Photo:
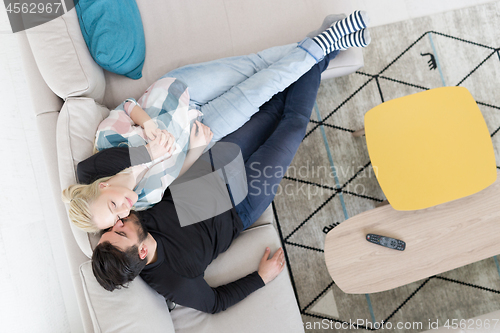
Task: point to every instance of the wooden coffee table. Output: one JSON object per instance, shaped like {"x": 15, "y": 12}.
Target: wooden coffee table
{"x": 438, "y": 239}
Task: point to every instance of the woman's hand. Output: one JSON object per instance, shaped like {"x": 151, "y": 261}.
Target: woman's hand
{"x": 151, "y": 129}
{"x": 201, "y": 135}
{"x": 162, "y": 144}
{"x": 270, "y": 268}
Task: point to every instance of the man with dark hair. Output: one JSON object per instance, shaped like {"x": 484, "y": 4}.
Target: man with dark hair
{"x": 119, "y": 267}
{"x": 176, "y": 257}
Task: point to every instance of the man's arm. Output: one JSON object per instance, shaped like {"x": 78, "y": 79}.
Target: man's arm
{"x": 222, "y": 297}
{"x": 109, "y": 162}
{"x": 200, "y": 137}
{"x": 197, "y": 294}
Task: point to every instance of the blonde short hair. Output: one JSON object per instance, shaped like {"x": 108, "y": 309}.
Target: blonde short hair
{"x": 79, "y": 197}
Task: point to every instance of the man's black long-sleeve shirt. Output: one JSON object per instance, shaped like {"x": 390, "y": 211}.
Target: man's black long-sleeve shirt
{"x": 183, "y": 252}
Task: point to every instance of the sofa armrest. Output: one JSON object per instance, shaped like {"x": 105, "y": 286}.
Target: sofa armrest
{"x": 346, "y": 62}
{"x": 46, "y": 123}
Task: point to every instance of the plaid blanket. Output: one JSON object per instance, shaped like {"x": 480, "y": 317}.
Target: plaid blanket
{"x": 167, "y": 102}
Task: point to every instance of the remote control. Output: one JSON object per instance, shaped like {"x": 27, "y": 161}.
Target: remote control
{"x": 389, "y": 242}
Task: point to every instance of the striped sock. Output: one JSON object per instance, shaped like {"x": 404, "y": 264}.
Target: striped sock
{"x": 356, "y": 21}
{"x": 360, "y": 38}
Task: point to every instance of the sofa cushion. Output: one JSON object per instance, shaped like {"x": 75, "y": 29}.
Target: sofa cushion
{"x": 272, "y": 308}
{"x": 137, "y": 308}
{"x": 114, "y": 35}
{"x": 64, "y": 60}
{"x": 76, "y": 128}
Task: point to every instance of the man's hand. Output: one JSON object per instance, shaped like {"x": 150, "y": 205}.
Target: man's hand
{"x": 162, "y": 145}
{"x": 201, "y": 135}
{"x": 270, "y": 268}
{"x": 151, "y": 129}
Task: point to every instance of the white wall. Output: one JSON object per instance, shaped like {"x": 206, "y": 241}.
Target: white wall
{"x": 36, "y": 293}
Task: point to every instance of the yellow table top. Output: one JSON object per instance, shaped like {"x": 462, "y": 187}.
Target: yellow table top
{"x": 429, "y": 148}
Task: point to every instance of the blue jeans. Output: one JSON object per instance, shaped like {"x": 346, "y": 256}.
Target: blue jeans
{"x": 271, "y": 138}
{"x": 229, "y": 91}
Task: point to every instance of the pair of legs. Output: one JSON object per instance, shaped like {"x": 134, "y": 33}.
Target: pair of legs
{"x": 270, "y": 139}
{"x": 229, "y": 91}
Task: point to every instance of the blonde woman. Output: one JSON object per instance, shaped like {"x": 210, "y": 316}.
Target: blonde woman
{"x": 105, "y": 200}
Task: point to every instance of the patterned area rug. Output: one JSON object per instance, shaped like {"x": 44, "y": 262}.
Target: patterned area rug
{"x": 455, "y": 48}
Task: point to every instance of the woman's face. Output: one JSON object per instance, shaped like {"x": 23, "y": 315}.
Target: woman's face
{"x": 112, "y": 204}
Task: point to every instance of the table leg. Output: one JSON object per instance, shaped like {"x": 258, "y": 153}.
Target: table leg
{"x": 358, "y": 133}
{"x": 383, "y": 203}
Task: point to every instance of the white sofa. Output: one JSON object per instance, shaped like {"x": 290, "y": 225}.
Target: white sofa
{"x": 71, "y": 94}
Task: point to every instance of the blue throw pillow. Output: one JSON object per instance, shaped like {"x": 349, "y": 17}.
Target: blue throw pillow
{"x": 114, "y": 35}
